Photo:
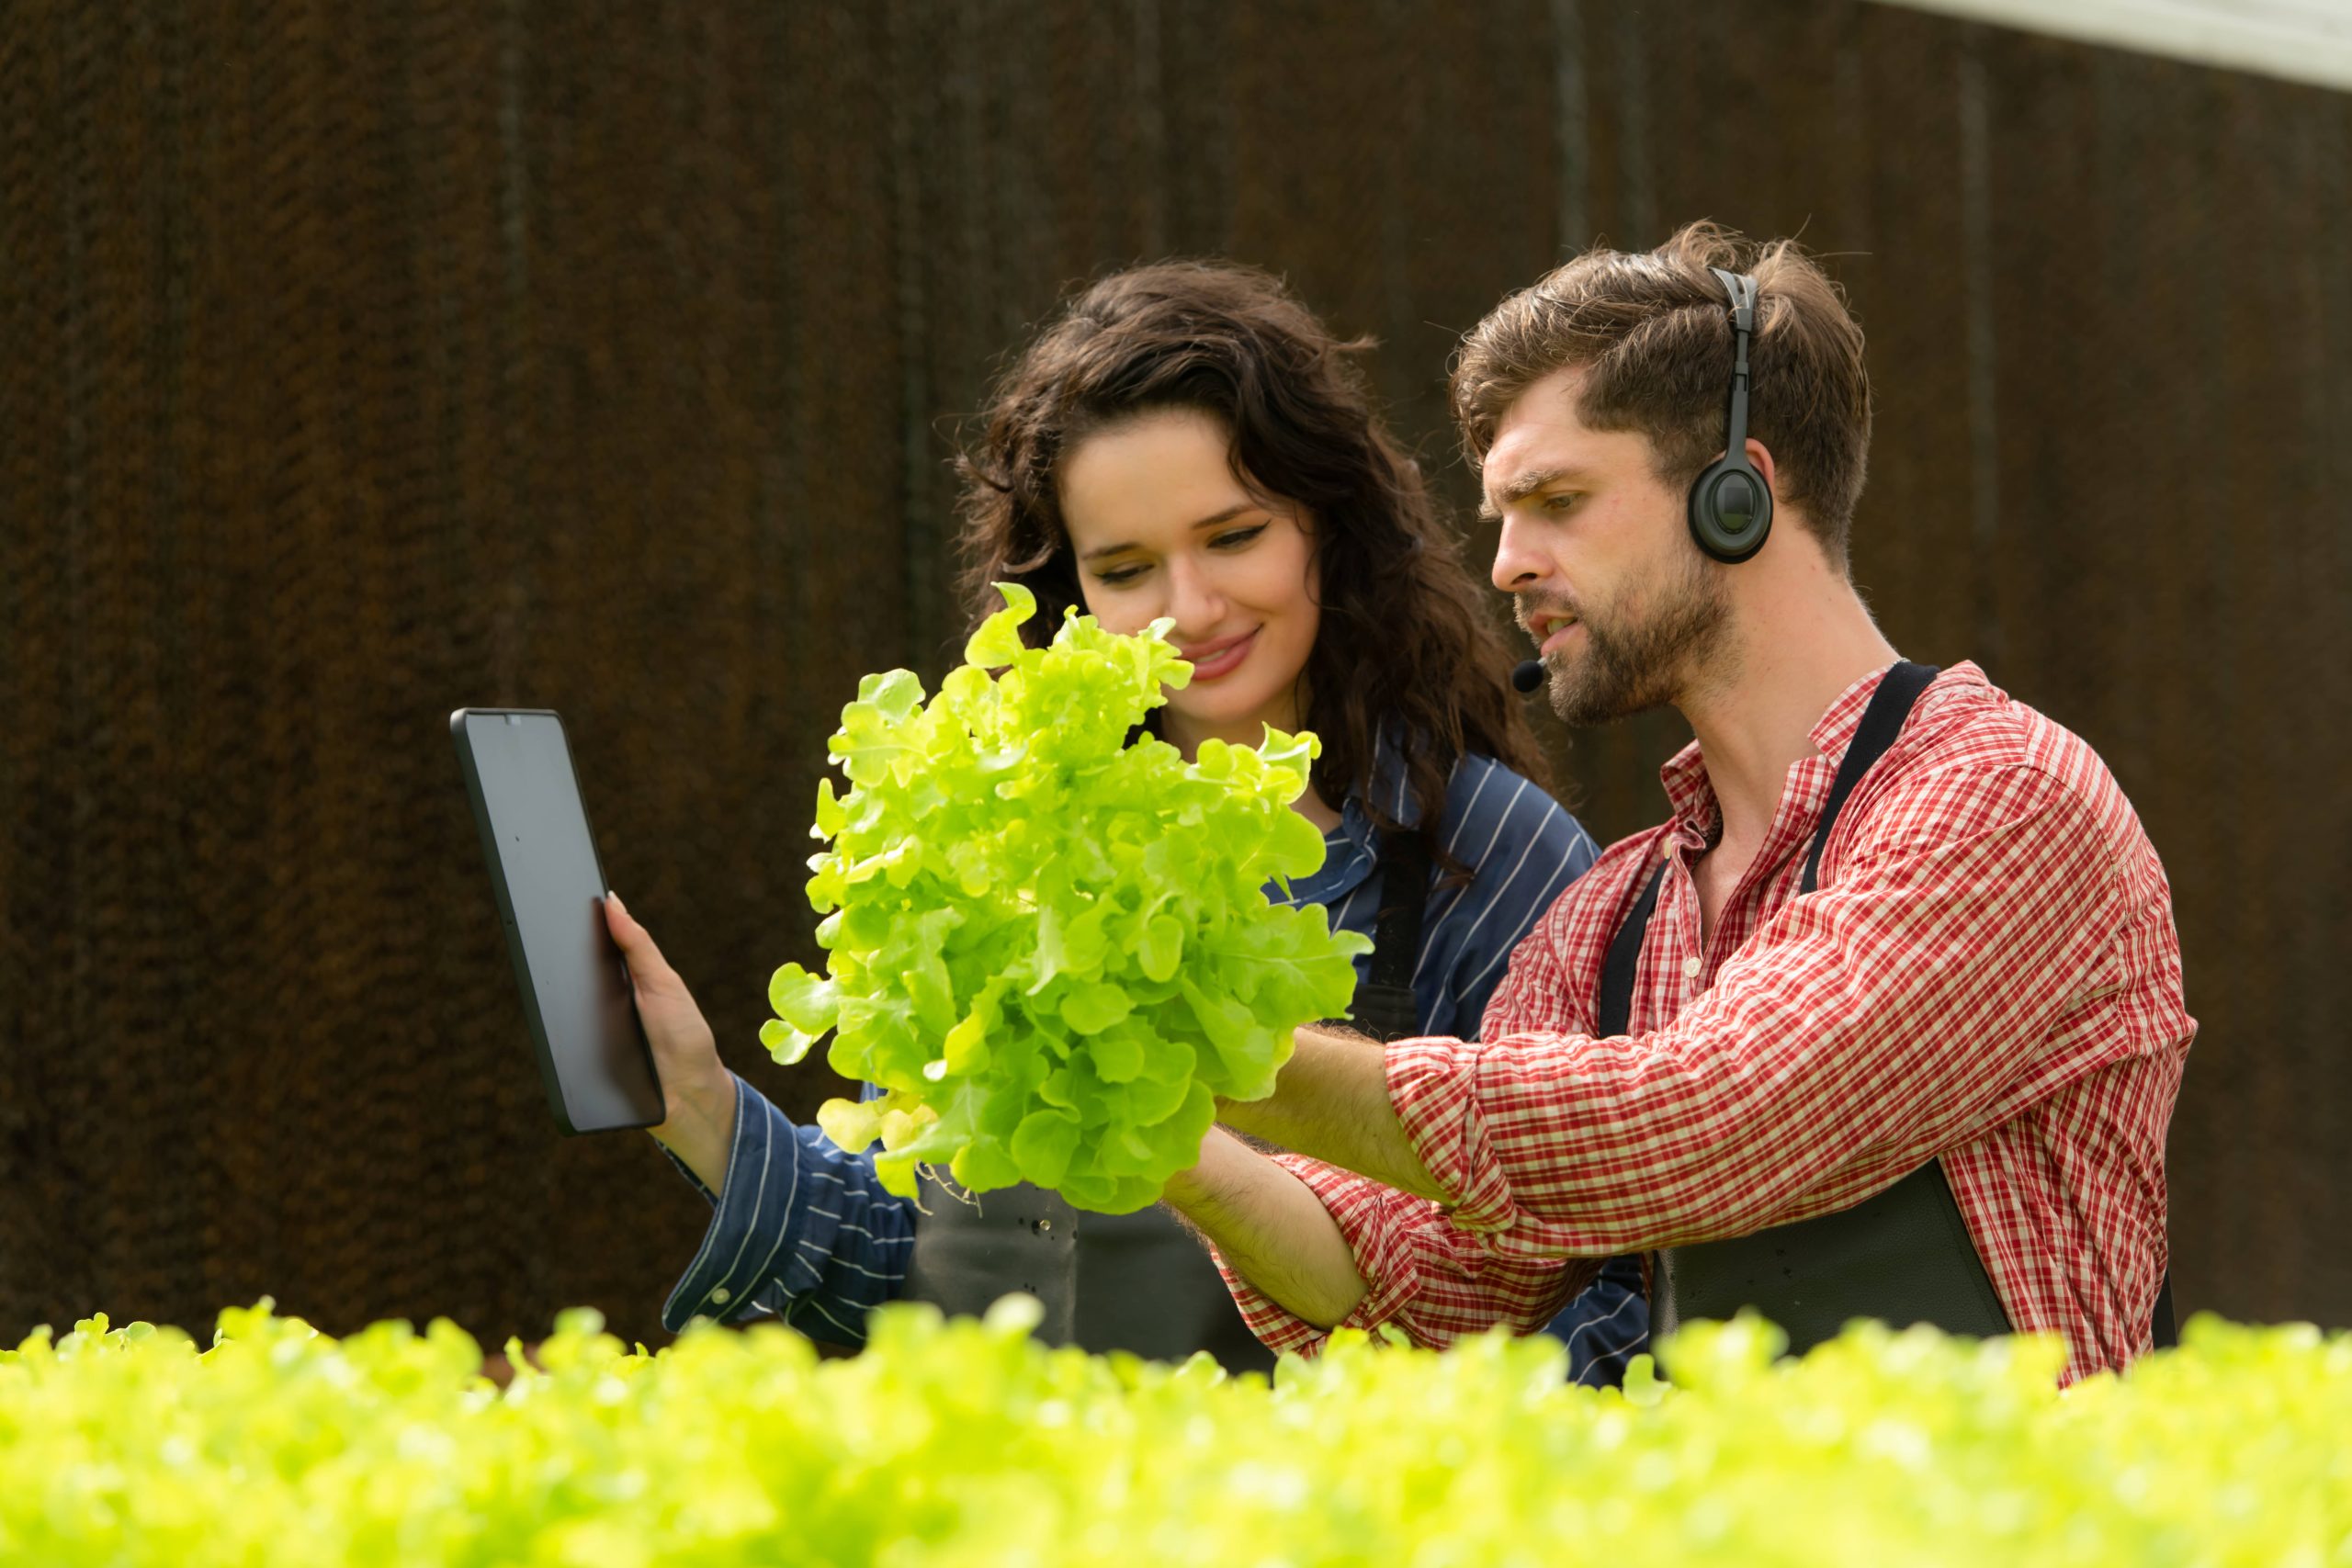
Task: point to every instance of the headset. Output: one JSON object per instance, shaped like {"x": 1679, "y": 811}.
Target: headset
{"x": 1731, "y": 507}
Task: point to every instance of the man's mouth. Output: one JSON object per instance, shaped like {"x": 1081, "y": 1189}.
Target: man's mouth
{"x": 1551, "y": 629}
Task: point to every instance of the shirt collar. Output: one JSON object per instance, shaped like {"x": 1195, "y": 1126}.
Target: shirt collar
{"x": 1691, "y": 795}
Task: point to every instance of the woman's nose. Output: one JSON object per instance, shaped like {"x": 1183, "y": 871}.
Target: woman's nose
{"x": 1193, "y": 600}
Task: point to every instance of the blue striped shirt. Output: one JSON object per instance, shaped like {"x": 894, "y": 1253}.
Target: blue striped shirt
{"x": 804, "y": 1231}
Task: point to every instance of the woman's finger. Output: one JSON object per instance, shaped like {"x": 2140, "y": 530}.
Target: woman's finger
{"x": 637, "y": 944}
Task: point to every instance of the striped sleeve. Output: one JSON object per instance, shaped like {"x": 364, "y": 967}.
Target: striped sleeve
{"x": 801, "y": 1230}
{"x": 1607, "y": 1325}
{"x": 1522, "y": 851}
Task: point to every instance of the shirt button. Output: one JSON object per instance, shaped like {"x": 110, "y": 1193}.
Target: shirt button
{"x": 721, "y": 1296}
{"x": 1690, "y": 968}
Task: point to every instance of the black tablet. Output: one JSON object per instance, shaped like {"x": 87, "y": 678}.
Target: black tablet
{"x": 576, "y": 994}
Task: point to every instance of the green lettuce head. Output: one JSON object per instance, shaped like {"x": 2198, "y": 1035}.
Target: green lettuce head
{"x": 1049, "y": 948}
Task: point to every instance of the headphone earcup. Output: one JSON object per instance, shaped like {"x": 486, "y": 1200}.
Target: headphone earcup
{"x": 1731, "y": 509}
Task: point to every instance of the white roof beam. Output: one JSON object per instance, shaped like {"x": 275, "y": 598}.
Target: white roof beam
{"x": 2300, "y": 40}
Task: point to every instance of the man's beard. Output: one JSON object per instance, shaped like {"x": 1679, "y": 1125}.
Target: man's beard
{"x": 1634, "y": 662}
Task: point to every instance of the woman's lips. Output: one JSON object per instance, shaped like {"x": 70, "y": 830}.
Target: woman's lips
{"x": 1215, "y": 659}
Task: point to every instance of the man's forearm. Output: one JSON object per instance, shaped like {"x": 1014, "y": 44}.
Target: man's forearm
{"x": 1331, "y": 1103}
{"x": 1270, "y": 1228}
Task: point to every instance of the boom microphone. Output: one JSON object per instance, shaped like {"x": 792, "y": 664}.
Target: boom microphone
{"x": 1527, "y": 675}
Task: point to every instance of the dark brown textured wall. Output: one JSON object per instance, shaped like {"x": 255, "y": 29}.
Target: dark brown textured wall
{"x": 358, "y": 362}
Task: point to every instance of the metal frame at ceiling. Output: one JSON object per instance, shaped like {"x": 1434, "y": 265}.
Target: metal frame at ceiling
{"x": 2297, "y": 40}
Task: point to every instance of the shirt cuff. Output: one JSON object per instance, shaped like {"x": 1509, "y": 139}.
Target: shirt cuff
{"x": 696, "y": 1182}
{"x": 1384, "y": 1258}
{"x": 751, "y": 1227}
{"x": 1432, "y": 1087}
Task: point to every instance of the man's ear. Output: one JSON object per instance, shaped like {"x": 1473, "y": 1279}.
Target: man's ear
{"x": 1761, "y": 456}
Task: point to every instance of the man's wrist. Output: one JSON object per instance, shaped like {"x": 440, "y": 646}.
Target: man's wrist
{"x": 1331, "y": 1103}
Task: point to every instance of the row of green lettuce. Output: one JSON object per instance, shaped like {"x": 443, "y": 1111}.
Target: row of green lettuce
{"x": 966, "y": 1443}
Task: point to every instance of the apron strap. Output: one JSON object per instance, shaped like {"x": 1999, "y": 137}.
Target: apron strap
{"x": 1383, "y": 1003}
{"x": 1882, "y": 722}
{"x": 1716, "y": 1277}
{"x": 1613, "y": 1009}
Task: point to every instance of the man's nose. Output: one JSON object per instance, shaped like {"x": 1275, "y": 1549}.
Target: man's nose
{"x": 1519, "y": 564}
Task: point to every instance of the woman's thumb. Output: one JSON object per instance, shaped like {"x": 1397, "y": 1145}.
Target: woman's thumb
{"x": 634, "y": 940}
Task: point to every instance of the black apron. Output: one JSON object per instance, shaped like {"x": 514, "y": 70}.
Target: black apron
{"x": 1902, "y": 1256}
{"x": 1141, "y": 1282}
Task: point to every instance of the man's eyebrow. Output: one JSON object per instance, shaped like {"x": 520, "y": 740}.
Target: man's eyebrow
{"x": 1522, "y": 487}
{"x": 1211, "y": 521}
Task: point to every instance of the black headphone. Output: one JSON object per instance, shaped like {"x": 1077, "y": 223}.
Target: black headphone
{"x": 1731, "y": 507}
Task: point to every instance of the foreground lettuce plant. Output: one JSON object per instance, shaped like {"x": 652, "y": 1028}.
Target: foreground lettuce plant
{"x": 968, "y": 1443}
{"x": 1051, "y": 949}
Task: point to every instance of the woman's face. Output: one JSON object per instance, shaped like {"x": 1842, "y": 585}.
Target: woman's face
{"x": 1161, "y": 526}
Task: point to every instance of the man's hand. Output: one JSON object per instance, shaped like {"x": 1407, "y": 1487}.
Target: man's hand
{"x": 697, "y": 1092}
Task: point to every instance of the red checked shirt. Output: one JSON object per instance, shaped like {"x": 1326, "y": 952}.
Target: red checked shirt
{"x": 1989, "y": 971}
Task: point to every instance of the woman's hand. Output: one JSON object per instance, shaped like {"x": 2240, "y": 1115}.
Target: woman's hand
{"x": 697, "y": 1092}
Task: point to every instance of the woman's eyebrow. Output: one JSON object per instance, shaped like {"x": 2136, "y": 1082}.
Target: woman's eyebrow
{"x": 1228, "y": 516}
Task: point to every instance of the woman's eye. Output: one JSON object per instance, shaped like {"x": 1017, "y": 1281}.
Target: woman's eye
{"x": 1118, "y": 576}
{"x": 1237, "y": 538}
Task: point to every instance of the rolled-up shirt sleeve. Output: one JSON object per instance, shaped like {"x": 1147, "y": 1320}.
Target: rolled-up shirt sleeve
{"x": 1421, "y": 1279}
{"x": 1916, "y": 1003}
{"x": 1864, "y": 1028}
{"x": 800, "y": 1229}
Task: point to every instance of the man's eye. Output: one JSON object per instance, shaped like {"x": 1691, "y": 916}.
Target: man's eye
{"x": 1237, "y": 538}
{"x": 1557, "y": 504}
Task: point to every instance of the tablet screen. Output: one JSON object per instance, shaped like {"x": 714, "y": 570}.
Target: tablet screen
{"x": 575, "y": 987}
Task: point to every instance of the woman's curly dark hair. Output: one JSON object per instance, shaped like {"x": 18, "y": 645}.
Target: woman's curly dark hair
{"x": 1403, "y": 639}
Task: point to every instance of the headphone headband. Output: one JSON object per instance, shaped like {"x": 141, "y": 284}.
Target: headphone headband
{"x": 1741, "y": 287}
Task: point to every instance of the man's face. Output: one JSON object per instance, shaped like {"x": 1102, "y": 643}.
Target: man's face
{"x": 1595, "y": 550}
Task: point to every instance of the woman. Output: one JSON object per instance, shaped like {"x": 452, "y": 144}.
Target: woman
{"x": 1185, "y": 441}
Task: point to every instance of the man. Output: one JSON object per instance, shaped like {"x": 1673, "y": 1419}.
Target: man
{"x": 1969, "y": 991}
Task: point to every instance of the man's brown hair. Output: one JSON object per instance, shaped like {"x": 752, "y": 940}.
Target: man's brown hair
{"x": 1653, "y": 330}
